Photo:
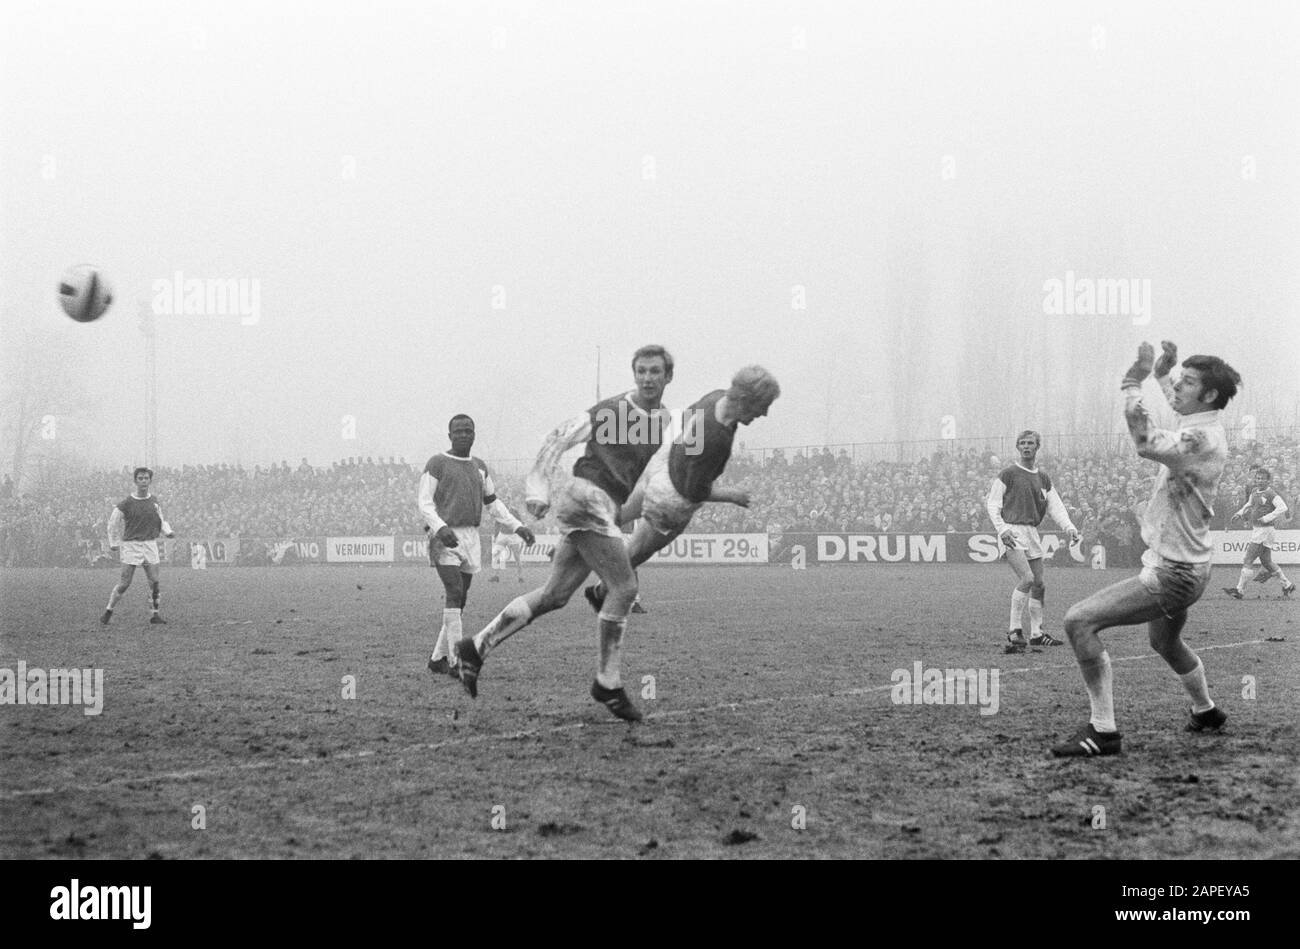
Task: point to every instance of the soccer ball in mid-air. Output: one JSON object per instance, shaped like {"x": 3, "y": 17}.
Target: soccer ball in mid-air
{"x": 84, "y": 293}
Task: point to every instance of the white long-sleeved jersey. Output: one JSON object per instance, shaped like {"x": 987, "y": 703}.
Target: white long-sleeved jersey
{"x": 1176, "y": 522}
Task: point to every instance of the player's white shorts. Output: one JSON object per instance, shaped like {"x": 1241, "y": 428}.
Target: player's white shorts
{"x": 137, "y": 552}
{"x": 1175, "y": 585}
{"x": 1027, "y": 540}
{"x": 505, "y": 544}
{"x": 586, "y": 507}
{"x": 1265, "y": 536}
{"x": 663, "y": 508}
{"x": 466, "y": 554}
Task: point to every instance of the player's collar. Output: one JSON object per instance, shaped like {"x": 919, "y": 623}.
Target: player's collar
{"x": 458, "y": 457}
{"x": 637, "y": 408}
{"x": 1023, "y": 468}
{"x": 138, "y": 498}
{"x": 1198, "y": 418}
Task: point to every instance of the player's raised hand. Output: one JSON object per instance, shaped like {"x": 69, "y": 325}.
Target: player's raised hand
{"x": 1141, "y": 367}
{"x": 1168, "y": 359}
{"x": 447, "y": 537}
{"x": 529, "y": 537}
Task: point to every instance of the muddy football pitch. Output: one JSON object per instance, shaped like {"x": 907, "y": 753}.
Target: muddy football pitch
{"x": 287, "y": 712}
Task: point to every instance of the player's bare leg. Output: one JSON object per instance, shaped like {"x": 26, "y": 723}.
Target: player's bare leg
{"x": 1121, "y": 604}
{"x": 1165, "y": 636}
{"x": 123, "y": 584}
{"x": 568, "y": 570}
{"x": 1020, "y": 566}
{"x": 608, "y": 558}
{"x": 645, "y": 543}
{"x": 151, "y": 573}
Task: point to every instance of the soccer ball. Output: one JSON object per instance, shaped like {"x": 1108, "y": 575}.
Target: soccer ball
{"x": 84, "y": 293}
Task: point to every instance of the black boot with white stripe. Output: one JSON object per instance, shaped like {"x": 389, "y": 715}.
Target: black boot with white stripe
{"x": 1087, "y": 743}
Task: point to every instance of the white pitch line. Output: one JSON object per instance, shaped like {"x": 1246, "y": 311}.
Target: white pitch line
{"x": 467, "y": 740}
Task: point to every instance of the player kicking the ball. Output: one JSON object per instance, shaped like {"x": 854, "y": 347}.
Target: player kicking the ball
{"x": 1263, "y": 508}
{"x": 680, "y": 477}
{"x": 454, "y": 489}
{"x": 1019, "y": 497}
{"x": 1176, "y": 529}
{"x": 622, "y": 434}
{"x": 134, "y": 526}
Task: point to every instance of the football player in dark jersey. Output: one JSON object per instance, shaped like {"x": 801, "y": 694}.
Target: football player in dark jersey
{"x": 134, "y": 527}
{"x": 622, "y": 434}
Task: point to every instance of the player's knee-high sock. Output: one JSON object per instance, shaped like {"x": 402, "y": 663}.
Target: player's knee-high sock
{"x": 517, "y": 614}
{"x": 155, "y": 597}
{"x": 448, "y": 636}
{"x": 1097, "y": 679}
{"x": 1194, "y": 683}
{"x": 1035, "y": 617}
{"x": 114, "y": 597}
{"x": 1246, "y": 574}
{"x": 611, "y": 651}
{"x": 1018, "y": 598}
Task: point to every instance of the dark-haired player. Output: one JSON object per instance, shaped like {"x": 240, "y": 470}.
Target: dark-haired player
{"x": 134, "y": 526}
{"x": 681, "y": 476}
{"x": 1019, "y": 497}
{"x": 454, "y": 489}
{"x": 1262, "y": 510}
{"x": 622, "y": 434}
{"x": 1176, "y": 529}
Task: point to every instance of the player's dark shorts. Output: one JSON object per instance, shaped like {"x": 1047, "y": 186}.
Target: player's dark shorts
{"x": 1175, "y": 585}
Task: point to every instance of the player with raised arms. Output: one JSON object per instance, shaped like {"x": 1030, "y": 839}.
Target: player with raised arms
{"x": 1018, "y": 499}
{"x": 454, "y": 488}
{"x": 1176, "y": 530}
{"x": 1264, "y": 507}
{"x": 134, "y": 526}
{"x": 622, "y": 434}
{"x": 681, "y": 476}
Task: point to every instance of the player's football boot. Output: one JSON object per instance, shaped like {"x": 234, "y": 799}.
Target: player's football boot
{"x": 1046, "y": 639}
{"x": 616, "y": 701}
{"x": 595, "y": 597}
{"x": 157, "y": 620}
{"x": 638, "y": 608}
{"x": 440, "y": 667}
{"x": 105, "y": 617}
{"x": 1288, "y": 589}
{"x": 1016, "y": 642}
{"x": 1234, "y": 593}
{"x": 1210, "y": 721}
{"x": 1088, "y": 743}
{"x": 470, "y": 664}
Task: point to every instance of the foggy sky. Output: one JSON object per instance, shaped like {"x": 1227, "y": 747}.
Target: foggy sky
{"x": 623, "y": 173}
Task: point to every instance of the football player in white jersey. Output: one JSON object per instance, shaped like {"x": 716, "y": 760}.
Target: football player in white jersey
{"x": 1176, "y": 529}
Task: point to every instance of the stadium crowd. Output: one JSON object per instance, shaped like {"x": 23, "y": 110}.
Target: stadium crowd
{"x": 55, "y": 521}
